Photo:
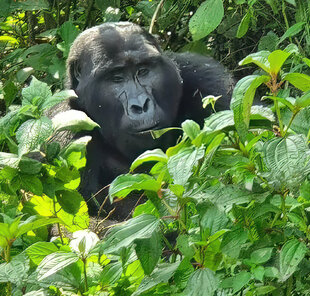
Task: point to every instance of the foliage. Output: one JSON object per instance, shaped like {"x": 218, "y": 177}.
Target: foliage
{"x": 227, "y": 210}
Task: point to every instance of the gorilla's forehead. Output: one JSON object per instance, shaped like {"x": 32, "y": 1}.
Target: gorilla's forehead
{"x": 123, "y": 47}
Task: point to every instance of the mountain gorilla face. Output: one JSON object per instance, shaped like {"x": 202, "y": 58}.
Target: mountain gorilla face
{"x": 127, "y": 86}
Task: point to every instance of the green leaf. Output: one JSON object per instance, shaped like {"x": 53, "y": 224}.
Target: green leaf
{"x": 23, "y": 74}
{"x": 124, "y": 184}
{"x": 233, "y": 241}
{"x": 38, "y": 251}
{"x": 291, "y": 254}
{"x": 32, "y": 133}
{"x": 240, "y": 280}
{"x": 68, "y": 32}
{"x": 184, "y": 246}
{"x": 31, "y": 184}
{"x": 304, "y": 100}
{"x": 54, "y": 263}
{"x": 9, "y": 159}
{"x": 141, "y": 227}
{"x": 191, "y": 129}
{"x": 111, "y": 273}
{"x": 301, "y": 81}
{"x": 15, "y": 271}
{"x": 206, "y": 18}
{"x": 277, "y": 59}
{"x": 258, "y": 272}
{"x": 149, "y": 155}
{"x": 29, "y": 224}
{"x": 261, "y": 256}
{"x": 202, "y": 282}
{"x": 287, "y": 161}
{"x": 36, "y": 89}
{"x": 29, "y": 166}
{"x": 161, "y": 274}
{"x": 58, "y": 98}
{"x": 149, "y": 251}
{"x": 73, "y": 120}
{"x": 306, "y": 61}
{"x": 293, "y": 30}
{"x": 259, "y": 58}
{"x": 244, "y": 25}
{"x": 264, "y": 290}
{"x": 281, "y": 100}
{"x": 242, "y": 100}
{"x": 180, "y": 165}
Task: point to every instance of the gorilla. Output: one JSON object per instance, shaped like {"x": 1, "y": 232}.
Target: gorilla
{"x": 128, "y": 86}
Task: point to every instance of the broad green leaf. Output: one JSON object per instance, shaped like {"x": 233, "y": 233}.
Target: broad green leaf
{"x": 281, "y": 100}
{"x": 38, "y": 251}
{"x": 141, "y": 227}
{"x": 23, "y": 74}
{"x": 32, "y": 184}
{"x": 8, "y": 39}
{"x": 268, "y": 42}
{"x": 261, "y": 256}
{"x": 242, "y": 100}
{"x": 206, "y": 18}
{"x": 307, "y": 61}
{"x": 287, "y": 161}
{"x": 240, "y": 280}
{"x": 244, "y": 25}
{"x": 58, "y": 98}
{"x": 301, "y": 81}
{"x": 54, "y": 263}
{"x": 73, "y": 120}
{"x": 26, "y": 226}
{"x": 29, "y": 166}
{"x": 301, "y": 122}
{"x": 191, "y": 128}
{"x": 149, "y": 251}
{"x": 291, "y": 254}
{"x": 124, "y": 184}
{"x": 36, "y": 89}
{"x": 277, "y": 59}
{"x": 111, "y": 273}
{"x": 212, "y": 219}
{"x": 233, "y": 241}
{"x": 9, "y": 159}
{"x": 259, "y": 58}
{"x": 180, "y": 165}
{"x": 161, "y": 274}
{"x": 304, "y": 100}
{"x": 149, "y": 155}
{"x": 202, "y": 282}
{"x": 292, "y": 31}
{"x": 32, "y": 133}
{"x": 264, "y": 290}
{"x": 259, "y": 112}
{"x": 68, "y": 32}
{"x": 16, "y": 271}
{"x": 184, "y": 246}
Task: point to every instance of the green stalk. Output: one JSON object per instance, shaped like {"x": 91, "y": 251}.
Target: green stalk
{"x": 276, "y": 105}
{"x": 85, "y": 273}
{"x": 290, "y": 123}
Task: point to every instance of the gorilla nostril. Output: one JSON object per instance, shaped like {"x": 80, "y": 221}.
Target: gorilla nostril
{"x": 135, "y": 109}
{"x": 146, "y": 105}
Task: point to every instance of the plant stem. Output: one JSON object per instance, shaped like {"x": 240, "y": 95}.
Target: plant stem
{"x": 60, "y": 233}
{"x": 155, "y": 16}
{"x": 276, "y": 104}
{"x": 85, "y": 274}
{"x": 289, "y": 286}
{"x": 290, "y": 123}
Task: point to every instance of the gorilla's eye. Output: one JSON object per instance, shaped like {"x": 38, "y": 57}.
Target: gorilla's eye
{"x": 143, "y": 72}
{"x": 117, "y": 78}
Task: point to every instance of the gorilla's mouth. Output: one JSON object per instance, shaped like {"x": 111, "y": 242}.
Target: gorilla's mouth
{"x": 147, "y": 130}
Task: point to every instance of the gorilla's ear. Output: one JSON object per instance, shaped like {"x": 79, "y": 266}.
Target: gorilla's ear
{"x": 74, "y": 74}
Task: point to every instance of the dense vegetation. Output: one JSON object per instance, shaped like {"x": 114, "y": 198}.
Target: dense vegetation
{"x": 227, "y": 209}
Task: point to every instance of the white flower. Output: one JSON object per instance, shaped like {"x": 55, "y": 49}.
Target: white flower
{"x": 83, "y": 241}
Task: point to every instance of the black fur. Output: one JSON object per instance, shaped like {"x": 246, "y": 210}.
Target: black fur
{"x": 127, "y": 85}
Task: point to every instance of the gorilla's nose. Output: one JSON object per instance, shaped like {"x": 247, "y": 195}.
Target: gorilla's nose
{"x": 140, "y": 107}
